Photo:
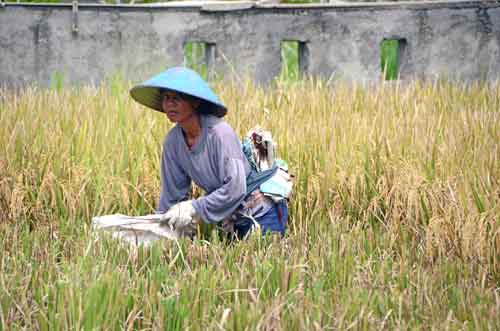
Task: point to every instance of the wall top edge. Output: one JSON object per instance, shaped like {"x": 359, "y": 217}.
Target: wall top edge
{"x": 218, "y": 6}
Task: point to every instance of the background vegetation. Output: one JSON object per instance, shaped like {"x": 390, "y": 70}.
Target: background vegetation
{"x": 393, "y": 224}
{"x": 389, "y": 58}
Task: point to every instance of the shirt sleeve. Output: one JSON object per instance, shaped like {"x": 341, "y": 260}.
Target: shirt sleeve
{"x": 222, "y": 202}
{"x": 175, "y": 183}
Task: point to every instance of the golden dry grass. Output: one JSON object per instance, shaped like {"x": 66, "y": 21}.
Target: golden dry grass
{"x": 394, "y": 219}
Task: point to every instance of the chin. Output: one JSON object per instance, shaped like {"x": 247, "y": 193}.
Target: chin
{"x": 172, "y": 119}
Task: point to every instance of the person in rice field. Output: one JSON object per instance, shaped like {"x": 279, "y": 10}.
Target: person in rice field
{"x": 204, "y": 149}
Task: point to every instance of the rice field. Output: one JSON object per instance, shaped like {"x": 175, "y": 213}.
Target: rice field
{"x": 394, "y": 221}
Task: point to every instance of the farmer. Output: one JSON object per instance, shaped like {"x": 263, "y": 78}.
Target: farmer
{"x": 203, "y": 148}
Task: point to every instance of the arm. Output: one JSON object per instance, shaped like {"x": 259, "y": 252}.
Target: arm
{"x": 175, "y": 184}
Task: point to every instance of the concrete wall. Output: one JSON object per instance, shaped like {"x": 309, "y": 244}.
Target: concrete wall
{"x": 456, "y": 39}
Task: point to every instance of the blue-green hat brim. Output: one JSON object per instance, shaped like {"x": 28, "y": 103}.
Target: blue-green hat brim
{"x": 149, "y": 96}
{"x": 181, "y": 80}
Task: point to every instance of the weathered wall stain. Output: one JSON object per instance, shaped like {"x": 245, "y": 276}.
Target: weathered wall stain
{"x": 459, "y": 40}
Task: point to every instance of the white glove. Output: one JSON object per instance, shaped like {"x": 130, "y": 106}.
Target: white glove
{"x": 180, "y": 215}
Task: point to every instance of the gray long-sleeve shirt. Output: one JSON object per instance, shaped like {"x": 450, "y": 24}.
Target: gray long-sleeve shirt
{"x": 215, "y": 163}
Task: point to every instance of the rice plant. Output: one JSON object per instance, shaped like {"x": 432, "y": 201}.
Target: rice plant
{"x": 394, "y": 222}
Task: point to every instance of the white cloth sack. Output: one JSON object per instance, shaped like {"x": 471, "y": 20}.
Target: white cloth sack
{"x": 138, "y": 230}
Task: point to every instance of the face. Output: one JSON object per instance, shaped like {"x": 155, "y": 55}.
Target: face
{"x": 176, "y": 108}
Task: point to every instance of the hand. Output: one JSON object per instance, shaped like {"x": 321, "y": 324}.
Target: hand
{"x": 180, "y": 215}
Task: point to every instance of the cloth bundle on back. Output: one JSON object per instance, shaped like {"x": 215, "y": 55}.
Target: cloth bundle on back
{"x": 260, "y": 149}
{"x": 204, "y": 149}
